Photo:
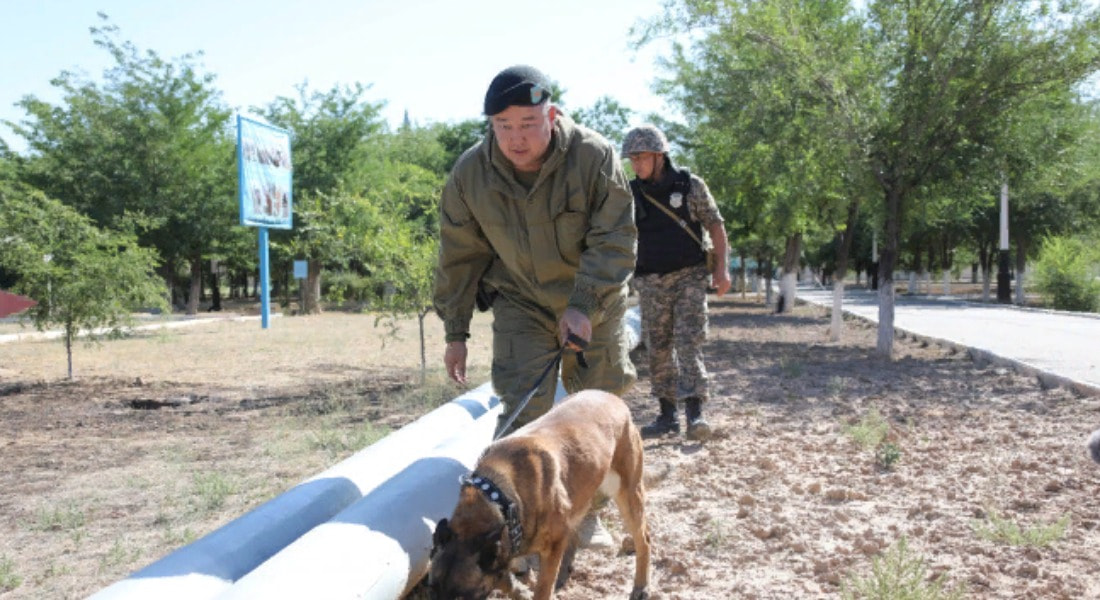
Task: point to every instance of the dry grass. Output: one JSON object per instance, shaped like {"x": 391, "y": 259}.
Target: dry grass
{"x": 94, "y": 487}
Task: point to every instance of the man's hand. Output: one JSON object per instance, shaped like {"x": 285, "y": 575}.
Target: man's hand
{"x": 720, "y": 279}
{"x": 577, "y": 323}
{"x": 454, "y": 359}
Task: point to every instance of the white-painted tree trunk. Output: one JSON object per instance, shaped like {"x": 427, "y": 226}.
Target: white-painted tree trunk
{"x": 788, "y": 285}
{"x": 1020, "y": 299}
{"x": 885, "y": 341}
{"x": 985, "y": 285}
{"x": 946, "y": 282}
{"x": 836, "y": 326}
{"x": 913, "y": 282}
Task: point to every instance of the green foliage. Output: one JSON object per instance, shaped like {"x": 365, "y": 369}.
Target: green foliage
{"x": 84, "y": 279}
{"x": 348, "y": 286}
{"x": 147, "y": 144}
{"x": 211, "y": 490}
{"x": 1066, "y": 274}
{"x": 69, "y": 518}
{"x": 996, "y": 528}
{"x": 9, "y": 579}
{"x": 899, "y": 574}
{"x": 887, "y": 455}
{"x": 606, "y": 116}
{"x": 870, "y": 431}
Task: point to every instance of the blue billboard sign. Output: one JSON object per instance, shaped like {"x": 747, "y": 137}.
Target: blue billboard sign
{"x": 264, "y": 174}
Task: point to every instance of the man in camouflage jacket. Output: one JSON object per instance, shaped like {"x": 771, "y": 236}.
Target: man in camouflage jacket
{"x": 537, "y": 222}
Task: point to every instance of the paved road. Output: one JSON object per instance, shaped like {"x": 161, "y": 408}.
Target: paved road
{"x": 1060, "y": 348}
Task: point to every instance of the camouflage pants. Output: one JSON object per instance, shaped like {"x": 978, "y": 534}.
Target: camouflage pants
{"x": 674, "y": 328}
{"x": 525, "y": 339}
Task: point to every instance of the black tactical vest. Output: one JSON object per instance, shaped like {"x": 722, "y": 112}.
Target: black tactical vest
{"x": 663, "y": 245}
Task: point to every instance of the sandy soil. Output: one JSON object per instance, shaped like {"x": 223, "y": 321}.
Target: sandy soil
{"x": 782, "y": 503}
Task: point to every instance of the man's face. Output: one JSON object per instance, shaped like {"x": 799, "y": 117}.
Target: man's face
{"x": 523, "y": 134}
{"x": 646, "y": 165}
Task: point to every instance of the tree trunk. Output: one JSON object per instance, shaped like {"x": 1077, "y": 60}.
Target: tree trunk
{"x": 69, "y": 334}
{"x": 985, "y": 258}
{"x": 843, "y": 249}
{"x": 743, "y": 276}
{"x": 1021, "y": 264}
{"x": 768, "y": 283}
{"x": 788, "y": 283}
{"x": 423, "y": 347}
{"x": 313, "y": 288}
{"x": 196, "y": 286}
{"x": 887, "y": 259}
{"x": 215, "y": 287}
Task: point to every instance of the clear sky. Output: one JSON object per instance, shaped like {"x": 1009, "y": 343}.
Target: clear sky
{"x": 433, "y": 58}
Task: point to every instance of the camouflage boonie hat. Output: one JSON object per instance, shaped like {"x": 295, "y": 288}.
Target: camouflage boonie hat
{"x": 645, "y": 138}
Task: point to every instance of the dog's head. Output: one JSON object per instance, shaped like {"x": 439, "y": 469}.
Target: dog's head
{"x": 467, "y": 568}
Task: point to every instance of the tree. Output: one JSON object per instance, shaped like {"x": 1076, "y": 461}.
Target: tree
{"x": 606, "y": 116}
{"x": 332, "y": 133}
{"x": 920, "y": 88}
{"x": 761, "y": 128}
{"x": 85, "y": 279}
{"x": 151, "y": 140}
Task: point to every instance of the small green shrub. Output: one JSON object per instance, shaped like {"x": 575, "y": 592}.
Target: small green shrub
{"x": 897, "y": 574}
{"x": 67, "y": 518}
{"x": 887, "y": 455}
{"x": 1065, "y": 274}
{"x": 871, "y": 430}
{"x": 9, "y": 580}
{"x": 211, "y": 490}
{"x": 344, "y": 286}
{"x": 996, "y": 528}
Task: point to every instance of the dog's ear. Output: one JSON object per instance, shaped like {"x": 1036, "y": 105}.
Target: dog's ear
{"x": 442, "y": 535}
{"x": 492, "y": 558}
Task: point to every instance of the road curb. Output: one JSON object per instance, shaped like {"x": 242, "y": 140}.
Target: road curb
{"x": 1046, "y": 378}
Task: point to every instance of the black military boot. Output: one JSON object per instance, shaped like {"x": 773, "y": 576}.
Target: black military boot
{"x": 665, "y": 423}
{"x": 697, "y": 427}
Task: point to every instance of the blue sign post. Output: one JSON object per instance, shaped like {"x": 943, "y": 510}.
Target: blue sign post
{"x": 264, "y": 176}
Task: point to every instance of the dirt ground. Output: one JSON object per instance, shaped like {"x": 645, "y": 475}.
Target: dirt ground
{"x": 150, "y": 449}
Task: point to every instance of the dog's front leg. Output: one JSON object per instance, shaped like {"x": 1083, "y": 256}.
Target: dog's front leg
{"x": 549, "y": 565}
{"x": 514, "y": 589}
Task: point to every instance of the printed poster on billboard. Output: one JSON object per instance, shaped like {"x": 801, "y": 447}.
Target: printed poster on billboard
{"x": 263, "y": 159}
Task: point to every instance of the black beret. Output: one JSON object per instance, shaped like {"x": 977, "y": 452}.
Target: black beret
{"x": 520, "y": 85}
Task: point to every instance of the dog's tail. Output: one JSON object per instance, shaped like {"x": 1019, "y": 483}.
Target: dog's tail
{"x": 1094, "y": 445}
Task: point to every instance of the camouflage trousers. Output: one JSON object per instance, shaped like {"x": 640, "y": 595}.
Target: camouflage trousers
{"x": 674, "y": 328}
{"x": 525, "y": 339}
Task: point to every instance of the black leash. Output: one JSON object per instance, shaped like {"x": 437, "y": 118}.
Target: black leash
{"x": 571, "y": 339}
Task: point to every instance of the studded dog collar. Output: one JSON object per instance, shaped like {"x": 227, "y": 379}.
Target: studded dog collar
{"x": 507, "y": 507}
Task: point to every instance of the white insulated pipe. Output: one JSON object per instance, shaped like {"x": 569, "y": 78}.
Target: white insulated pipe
{"x": 210, "y": 565}
{"x": 361, "y": 529}
{"x": 377, "y": 547}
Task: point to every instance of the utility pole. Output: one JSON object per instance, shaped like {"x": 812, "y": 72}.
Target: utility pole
{"x": 1004, "y": 288}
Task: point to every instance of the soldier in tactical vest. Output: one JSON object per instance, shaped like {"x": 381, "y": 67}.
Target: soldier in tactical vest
{"x": 678, "y": 225}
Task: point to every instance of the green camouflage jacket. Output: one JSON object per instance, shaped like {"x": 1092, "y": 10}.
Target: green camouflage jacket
{"x": 568, "y": 241}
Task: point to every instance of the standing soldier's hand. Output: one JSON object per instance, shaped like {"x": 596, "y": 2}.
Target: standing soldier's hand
{"x": 577, "y": 323}
{"x": 720, "y": 279}
{"x": 454, "y": 359}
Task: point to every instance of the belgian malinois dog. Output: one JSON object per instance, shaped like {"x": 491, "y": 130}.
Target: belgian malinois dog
{"x": 529, "y": 492}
